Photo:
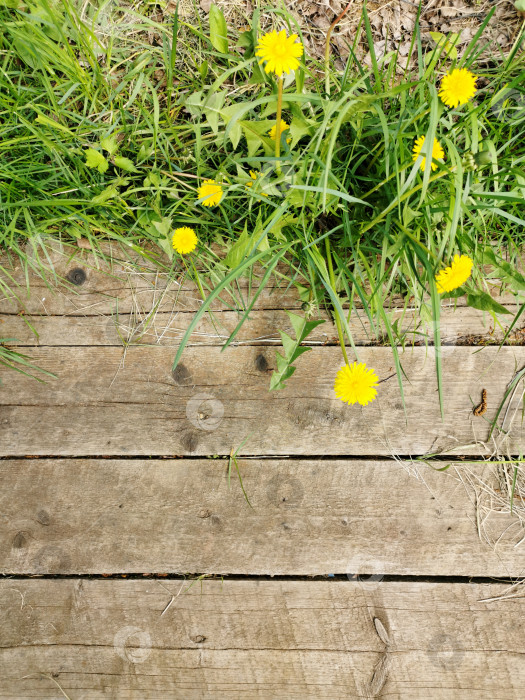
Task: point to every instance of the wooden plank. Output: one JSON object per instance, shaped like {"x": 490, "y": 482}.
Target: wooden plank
{"x": 127, "y": 284}
{"x": 120, "y": 285}
{"x": 459, "y": 326}
{"x": 308, "y": 517}
{"x": 157, "y": 639}
{"x": 105, "y": 402}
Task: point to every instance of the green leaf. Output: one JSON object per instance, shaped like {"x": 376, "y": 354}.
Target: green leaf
{"x": 218, "y": 30}
{"x": 109, "y": 144}
{"x": 164, "y": 226}
{"x": 152, "y": 180}
{"x": 245, "y": 40}
{"x": 95, "y": 159}
{"x": 246, "y": 242}
{"x": 105, "y": 195}
{"x": 256, "y": 134}
{"x": 163, "y": 229}
{"x": 300, "y": 127}
{"x": 504, "y": 270}
{"x": 292, "y": 349}
{"x": 203, "y": 70}
{"x": 46, "y": 121}
{"x": 485, "y": 302}
{"x": 238, "y": 250}
{"x": 193, "y": 103}
{"x": 454, "y": 294}
{"x": 212, "y": 109}
{"x": 448, "y": 46}
{"x": 125, "y": 164}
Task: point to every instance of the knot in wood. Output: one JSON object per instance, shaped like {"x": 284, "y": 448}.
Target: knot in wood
{"x": 76, "y": 276}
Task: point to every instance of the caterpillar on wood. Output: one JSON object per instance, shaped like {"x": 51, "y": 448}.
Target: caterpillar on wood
{"x": 480, "y": 410}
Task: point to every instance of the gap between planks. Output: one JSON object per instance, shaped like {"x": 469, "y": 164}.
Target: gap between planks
{"x": 461, "y": 326}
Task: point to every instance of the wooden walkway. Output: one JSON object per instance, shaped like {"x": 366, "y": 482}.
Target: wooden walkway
{"x": 133, "y": 566}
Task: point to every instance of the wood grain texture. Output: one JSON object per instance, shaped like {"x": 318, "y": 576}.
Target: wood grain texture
{"x": 129, "y": 284}
{"x": 124, "y": 284}
{"x": 457, "y": 325}
{"x": 258, "y": 639}
{"x": 104, "y": 402}
{"x": 308, "y": 517}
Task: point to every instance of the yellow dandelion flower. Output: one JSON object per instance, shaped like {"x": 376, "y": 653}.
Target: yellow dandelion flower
{"x": 437, "y": 152}
{"x": 254, "y": 176}
{"x": 273, "y": 131}
{"x": 210, "y": 192}
{"x": 356, "y": 383}
{"x": 458, "y": 87}
{"x": 280, "y": 52}
{"x": 184, "y": 240}
{"x": 454, "y": 276}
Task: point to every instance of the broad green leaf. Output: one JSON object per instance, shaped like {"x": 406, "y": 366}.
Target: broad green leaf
{"x": 165, "y": 244}
{"x": 212, "y": 109}
{"x": 256, "y": 134}
{"x": 454, "y": 294}
{"x": 235, "y": 134}
{"x": 95, "y": 159}
{"x": 203, "y": 70}
{"x": 193, "y": 103}
{"x": 292, "y": 349}
{"x": 239, "y": 249}
{"x": 218, "y": 30}
{"x": 448, "y": 46}
{"x": 125, "y": 164}
{"x": 485, "y": 302}
{"x": 164, "y": 226}
{"x": 105, "y": 195}
{"x": 109, "y": 144}
{"x": 300, "y": 127}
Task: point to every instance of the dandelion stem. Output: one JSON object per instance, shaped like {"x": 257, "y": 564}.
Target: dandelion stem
{"x": 336, "y": 314}
{"x": 327, "y": 48}
{"x": 278, "y": 124}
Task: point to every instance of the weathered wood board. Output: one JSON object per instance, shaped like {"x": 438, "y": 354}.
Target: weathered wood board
{"x": 75, "y": 281}
{"x": 457, "y": 326}
{"x": 68, "y": 280}
{"x": 307, "y": 517}
{"x": 145, "y": 640}
{"x": 214, "y": 401}
{"x": 94, "y": 504}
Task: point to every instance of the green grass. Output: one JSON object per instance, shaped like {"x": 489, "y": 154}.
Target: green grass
{"x": 19, "y": 362}
{"x": 105, "y": 134}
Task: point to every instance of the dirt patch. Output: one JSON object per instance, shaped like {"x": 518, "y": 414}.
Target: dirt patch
{"x": 392, "y": 24}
